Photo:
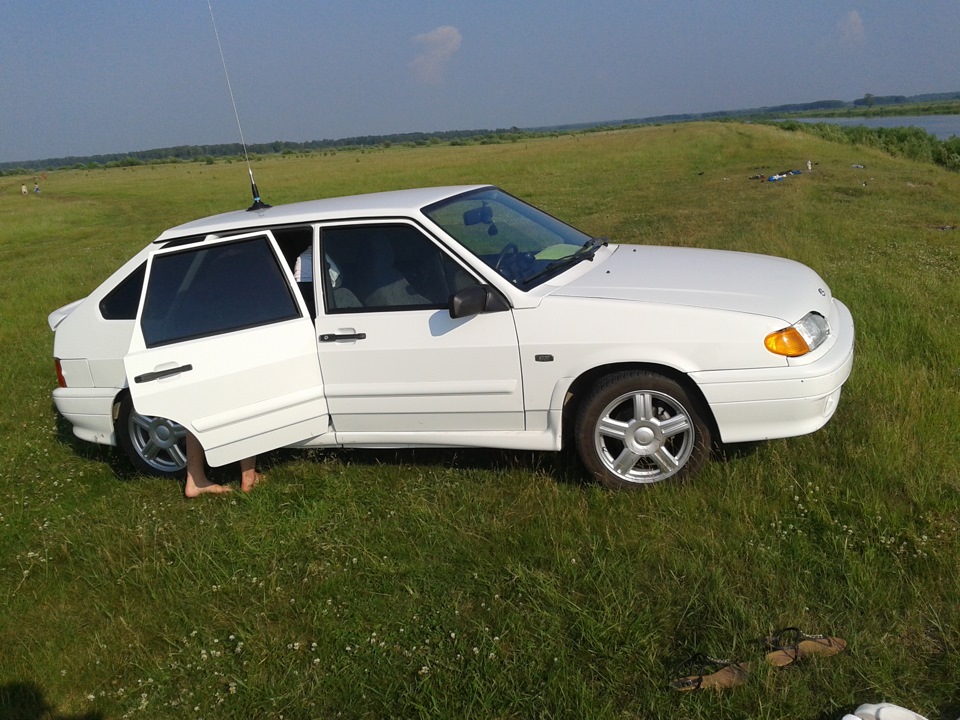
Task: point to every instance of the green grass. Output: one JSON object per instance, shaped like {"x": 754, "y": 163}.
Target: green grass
{"x": 489, "y": 584}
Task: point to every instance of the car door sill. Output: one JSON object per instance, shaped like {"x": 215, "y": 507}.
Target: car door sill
{"x": 545, "y": 440}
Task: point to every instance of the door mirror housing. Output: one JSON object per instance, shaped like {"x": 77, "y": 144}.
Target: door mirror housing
{"x": 477, "y": 299}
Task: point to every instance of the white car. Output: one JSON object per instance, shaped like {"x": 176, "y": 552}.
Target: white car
{"x": 453, "y": 316}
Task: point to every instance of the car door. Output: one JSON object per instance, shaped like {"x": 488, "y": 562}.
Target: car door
{"x": 223, "y": 344}
{"x": 394, "y": 362}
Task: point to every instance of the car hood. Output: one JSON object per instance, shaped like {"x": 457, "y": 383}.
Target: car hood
{"x": 716, "y": 279}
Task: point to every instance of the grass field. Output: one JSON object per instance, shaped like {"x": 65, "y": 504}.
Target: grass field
{"x": 487, "y": 584}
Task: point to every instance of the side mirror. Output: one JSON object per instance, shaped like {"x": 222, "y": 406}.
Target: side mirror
{"x": 477, "y": 299}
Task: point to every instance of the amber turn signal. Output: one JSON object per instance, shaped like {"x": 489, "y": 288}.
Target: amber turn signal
{"x": 787, "y": 342}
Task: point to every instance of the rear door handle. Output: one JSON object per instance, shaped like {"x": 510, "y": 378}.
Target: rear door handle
{"x": 333, "y": 337}
{"x": 157, "y": 374}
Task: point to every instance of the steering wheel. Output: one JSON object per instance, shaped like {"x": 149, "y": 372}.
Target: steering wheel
{"x": 510, "y": 250}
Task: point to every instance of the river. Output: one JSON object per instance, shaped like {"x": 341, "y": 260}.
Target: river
{"x": 940, "y": 126}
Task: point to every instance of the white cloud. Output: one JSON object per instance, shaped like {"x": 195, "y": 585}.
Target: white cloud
{"x": 851, "y": 29}
{"x": 439, "y": 46}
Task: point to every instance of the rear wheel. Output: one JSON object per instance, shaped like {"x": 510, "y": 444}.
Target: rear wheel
{"x": 637, "y": 428}
{"x": 155, "y": 445}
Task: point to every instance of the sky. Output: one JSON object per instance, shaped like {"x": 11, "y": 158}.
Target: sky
{"x": 115, "y": 76}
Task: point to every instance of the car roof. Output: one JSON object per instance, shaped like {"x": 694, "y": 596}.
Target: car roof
{"x": 382, "y": 204}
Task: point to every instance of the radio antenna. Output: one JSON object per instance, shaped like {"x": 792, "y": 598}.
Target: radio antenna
{"x": 257, "y": 203}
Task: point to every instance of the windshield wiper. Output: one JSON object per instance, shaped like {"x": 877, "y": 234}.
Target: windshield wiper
{"x": 586, "y": 252}
{"x": 591, "y": 246}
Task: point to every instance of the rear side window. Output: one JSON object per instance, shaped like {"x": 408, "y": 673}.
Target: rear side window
{"x": 215, "y": 289}
{"x": 121, "y": 303}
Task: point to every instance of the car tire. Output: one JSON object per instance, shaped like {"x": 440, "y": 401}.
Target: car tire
{"x": 156, "y": 446}
{"x": 637, "y": 428}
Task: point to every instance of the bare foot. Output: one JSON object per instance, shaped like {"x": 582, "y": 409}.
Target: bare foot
{"x": 194, "y": 488}
{"x": 250, "y": 480}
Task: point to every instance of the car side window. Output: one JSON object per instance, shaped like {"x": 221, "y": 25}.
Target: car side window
{"x": 387, "y": 267}
{"x": 215, "y": 289}
{"x": 122, "y": 302}
{"x": 296, "y": 245}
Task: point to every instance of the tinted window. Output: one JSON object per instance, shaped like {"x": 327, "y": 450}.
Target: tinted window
{"x": 387, "y": 267}
{"x": 121, "y": 303}
{"x": 216, "y": 289}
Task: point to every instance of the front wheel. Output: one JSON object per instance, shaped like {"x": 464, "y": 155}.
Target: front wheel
{"x": 636, "y": 428}
{"x": 155, "y": 445}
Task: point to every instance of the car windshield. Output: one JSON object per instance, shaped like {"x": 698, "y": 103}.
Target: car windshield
{"x": 525, "y": 245}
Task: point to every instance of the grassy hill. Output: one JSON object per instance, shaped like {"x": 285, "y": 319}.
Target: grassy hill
{"x": 488, "y": 584}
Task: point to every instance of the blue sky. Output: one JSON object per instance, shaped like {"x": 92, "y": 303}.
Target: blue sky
{"x": 105, "y": 76}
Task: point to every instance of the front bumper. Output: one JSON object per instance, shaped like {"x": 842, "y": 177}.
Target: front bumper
{"x": 766, "y": 403}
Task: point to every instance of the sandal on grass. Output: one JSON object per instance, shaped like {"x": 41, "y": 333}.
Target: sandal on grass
{"x": 884, "y": 711}
{"x": 701, "y": 672}
{"x": 790, "y": 645}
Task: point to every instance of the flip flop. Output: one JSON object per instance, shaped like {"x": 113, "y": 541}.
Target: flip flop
{"x": 790, "y": 645}
{"x": 885, "y": 711}
{"x": 709, "y": 673}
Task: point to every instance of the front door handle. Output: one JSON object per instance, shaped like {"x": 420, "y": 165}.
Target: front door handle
{"x": 157, "y": 374}
{"x": 332, "y": 337}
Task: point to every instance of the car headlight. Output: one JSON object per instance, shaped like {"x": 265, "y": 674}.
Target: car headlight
{"x": 805, "y": 335}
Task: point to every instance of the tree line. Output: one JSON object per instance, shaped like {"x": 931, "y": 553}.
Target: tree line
{"x": 201, "y": 153}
